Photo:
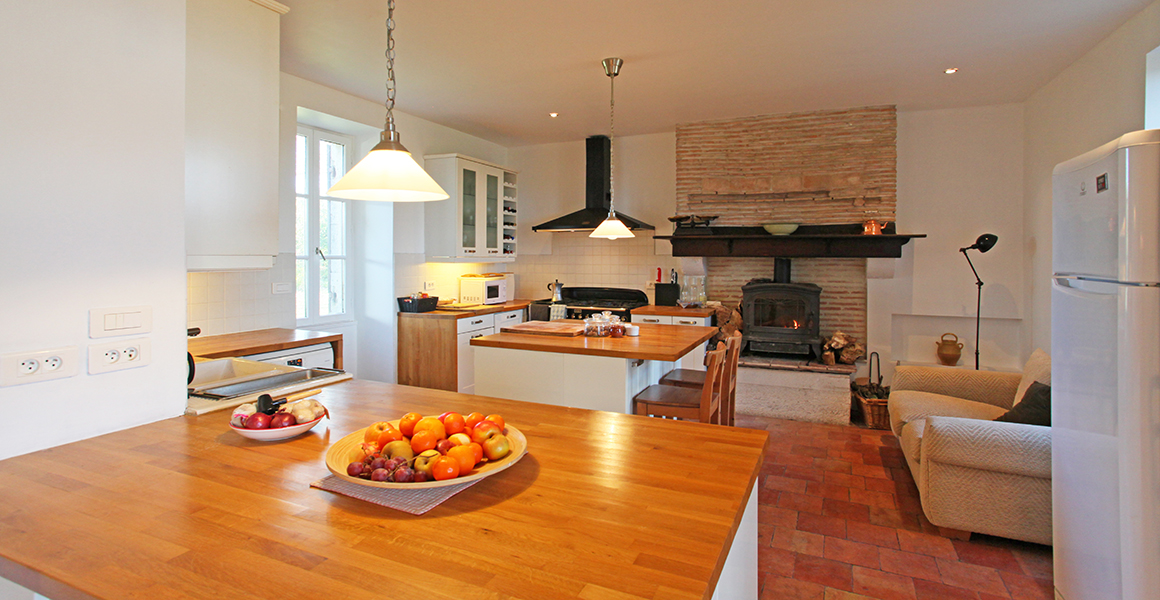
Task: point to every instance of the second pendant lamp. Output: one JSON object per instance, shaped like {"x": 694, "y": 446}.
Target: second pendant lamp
{"x": 612, "y": 228}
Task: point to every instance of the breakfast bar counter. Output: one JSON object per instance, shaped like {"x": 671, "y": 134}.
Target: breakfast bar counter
{"x": 597, "y": 373}
{"x": 603, "y": 506}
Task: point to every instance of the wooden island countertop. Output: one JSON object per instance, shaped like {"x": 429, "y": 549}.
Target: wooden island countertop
{"x": 603, "y": 506}
{"x": 655, "y": 342}
{"x": 245, "y": 343}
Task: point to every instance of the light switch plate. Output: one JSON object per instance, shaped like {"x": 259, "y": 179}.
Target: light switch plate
{"x": 120, "y": 320}
{"x": 281, "y": 288}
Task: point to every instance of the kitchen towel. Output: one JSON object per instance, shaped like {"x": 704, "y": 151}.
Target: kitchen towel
{"x": 416, "y": 501}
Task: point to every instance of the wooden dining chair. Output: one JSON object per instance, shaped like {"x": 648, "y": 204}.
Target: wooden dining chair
{"x": 694, "y": 379}
{"x": 704, "y": 405}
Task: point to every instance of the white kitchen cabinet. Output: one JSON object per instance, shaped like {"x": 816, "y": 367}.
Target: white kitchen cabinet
{"x": 511, "y": 317}
{"x": 468, "y": 328}
{"x": 317, "y": 355}
{"x": 478, "y": 222}
{"x": 231, "y": 134}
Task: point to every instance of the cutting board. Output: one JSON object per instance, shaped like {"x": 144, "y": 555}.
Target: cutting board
{"x": 561, "y": 328}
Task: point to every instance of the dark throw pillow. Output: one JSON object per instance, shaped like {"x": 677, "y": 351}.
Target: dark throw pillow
{"x": 1034, "y": 409}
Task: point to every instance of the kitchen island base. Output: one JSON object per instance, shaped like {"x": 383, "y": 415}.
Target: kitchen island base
{"x": 572, "y": 380}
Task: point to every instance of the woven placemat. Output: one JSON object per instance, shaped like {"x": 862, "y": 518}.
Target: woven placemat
{"x": 416, "y": 501}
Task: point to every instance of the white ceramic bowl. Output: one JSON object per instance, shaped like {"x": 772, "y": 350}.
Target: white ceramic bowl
{"x": 780, "y": 228}
{"x": 282, "y": 433}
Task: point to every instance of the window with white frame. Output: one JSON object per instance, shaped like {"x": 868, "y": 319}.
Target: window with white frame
{"x": 320, "y": 226}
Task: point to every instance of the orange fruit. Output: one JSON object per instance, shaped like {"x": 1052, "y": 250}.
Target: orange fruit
{"x": 498, "y": 420}
{"x": 466, "y": 457}
{"x": 423, "y": 440}
{"x": 454, "y": 423}
{"x": 478, "y": 450}
{"x": 431, "y": 424}
{"x": 389, "y": 434}
{"x": 407, "y": 423}
{"x": 445, "y": 467}
{"x": 471, "y": 420}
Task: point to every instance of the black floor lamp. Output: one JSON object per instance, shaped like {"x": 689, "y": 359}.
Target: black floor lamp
{"x": 983, "y": 244}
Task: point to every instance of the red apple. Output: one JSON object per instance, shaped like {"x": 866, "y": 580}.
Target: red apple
{"x": 258, "y": 421}
{"x": 373, "y": 432}
{"x": 281, "y": 420}
{"x": 485, "y": 430}
{"x": 496, "y": 447}
{"x": 444, "y": 445}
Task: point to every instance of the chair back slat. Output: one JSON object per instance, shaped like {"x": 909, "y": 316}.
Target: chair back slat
{"x": 711, "y": 393}
{"x": 729, "y": 377}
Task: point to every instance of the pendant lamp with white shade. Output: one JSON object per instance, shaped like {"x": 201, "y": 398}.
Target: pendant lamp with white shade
{"x": 388, "y": 173}
{"x": 612, "y": 228}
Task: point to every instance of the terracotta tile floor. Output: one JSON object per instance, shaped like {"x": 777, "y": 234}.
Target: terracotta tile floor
{"x": 840, "y": 520}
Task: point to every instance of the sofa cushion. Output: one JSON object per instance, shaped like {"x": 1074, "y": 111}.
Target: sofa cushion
{"x": 911, "y": 440}
{"x": 1038, "y": 368}
{"x": 909, "y": 405}
{"x": 1033, "y": 409}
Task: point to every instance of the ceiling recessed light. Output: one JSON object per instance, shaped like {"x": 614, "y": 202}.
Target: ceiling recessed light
{"x": 553, "y": 115}
{"x": 951, "y": 71}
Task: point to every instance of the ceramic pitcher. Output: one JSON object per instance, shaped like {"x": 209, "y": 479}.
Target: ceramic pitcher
{"x": 949, "y": 350}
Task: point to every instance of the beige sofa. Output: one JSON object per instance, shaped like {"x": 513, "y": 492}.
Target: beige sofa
{"x": 974, "y": 474}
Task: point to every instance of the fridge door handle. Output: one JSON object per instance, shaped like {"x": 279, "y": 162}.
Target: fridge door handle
{"x": 1079, "y": 286}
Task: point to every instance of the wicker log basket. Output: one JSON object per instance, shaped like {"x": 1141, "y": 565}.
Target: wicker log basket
{"x": 871, "y": 397}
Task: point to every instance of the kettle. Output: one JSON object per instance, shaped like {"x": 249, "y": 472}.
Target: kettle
{"x": 557, "y": 291}
{"x": 950, "y": 350}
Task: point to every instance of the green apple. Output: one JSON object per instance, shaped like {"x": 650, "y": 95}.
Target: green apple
{"x": 496, "y": 447}
{"x": 399, "y": 448}
{"x": 424, "y": 460}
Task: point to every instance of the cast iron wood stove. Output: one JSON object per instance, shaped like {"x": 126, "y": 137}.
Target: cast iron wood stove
{"x": 781, "y": 317}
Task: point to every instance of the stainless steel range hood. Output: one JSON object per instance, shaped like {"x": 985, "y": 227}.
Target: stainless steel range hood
{"x": 597, "y": 194}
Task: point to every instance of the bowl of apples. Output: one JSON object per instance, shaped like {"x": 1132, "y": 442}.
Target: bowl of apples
{"x": 418, "y": 452}
{"x": 268, "y": 421}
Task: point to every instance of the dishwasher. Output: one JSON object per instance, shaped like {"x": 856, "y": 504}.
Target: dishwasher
{"x": 317, "y": 355}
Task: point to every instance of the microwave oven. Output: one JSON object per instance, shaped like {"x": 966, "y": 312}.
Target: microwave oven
{"x": 483, "y": 290}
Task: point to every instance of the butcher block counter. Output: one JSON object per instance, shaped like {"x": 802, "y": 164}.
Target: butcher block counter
{"x": 482, "y": 309}
{"x": 246, "y": 343}
{"x": 655, "y": 342}
{"x": 602, "y": 506}
{"x": 597, "y": 373}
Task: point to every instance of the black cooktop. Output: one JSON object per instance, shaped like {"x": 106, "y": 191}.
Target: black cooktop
{"x": 597, "y": 297}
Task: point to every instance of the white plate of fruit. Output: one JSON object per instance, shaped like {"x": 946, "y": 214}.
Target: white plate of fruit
{"x": 286, "y": 421}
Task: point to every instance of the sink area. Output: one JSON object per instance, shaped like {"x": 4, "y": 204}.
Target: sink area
{"x": 228, "y": 382}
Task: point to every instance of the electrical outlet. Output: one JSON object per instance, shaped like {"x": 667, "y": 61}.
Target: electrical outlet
{"x": 115, "y": 356}
{"x": 428, "y": 286}
{"x": 31, "y": 367}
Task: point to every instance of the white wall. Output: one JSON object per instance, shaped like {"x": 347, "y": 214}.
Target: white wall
{"x": 960, "y": 174}
{"x": 93, "y": 207}
{"x": 1096, "y": 99}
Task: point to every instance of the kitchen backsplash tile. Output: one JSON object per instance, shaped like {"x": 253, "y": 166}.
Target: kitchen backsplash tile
{"x": 578, "y": 260}
{"x": 228, "y": 302}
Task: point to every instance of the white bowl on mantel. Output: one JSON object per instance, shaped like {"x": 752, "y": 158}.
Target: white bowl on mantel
{"x": 780, "y": 228}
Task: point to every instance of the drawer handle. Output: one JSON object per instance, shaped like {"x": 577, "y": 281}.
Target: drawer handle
{"x": 477, "y": 322}
{"x": 651, "y": 320}
{"x": 477, "y": 336}
{"x": 686, "y": 322}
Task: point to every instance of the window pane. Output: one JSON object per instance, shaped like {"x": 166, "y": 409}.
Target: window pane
{"x": 331, "y": 164}
{"x": 300, "y": 168}
{"x": 468, "y": 216}
{"x": 332, "y": 227}
{"x": 301, "y": 266}
{"x": 301, "y": 230}
{"x": 332, "y": 286}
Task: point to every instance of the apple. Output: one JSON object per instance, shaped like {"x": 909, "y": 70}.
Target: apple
{"x": 399, "y": 448}
{"x": 496, "y": 447}
{"x": 444, "y": 445}
{"x": 372, "y": 433}
{"x": 484, "y": 431}
{"x": 460, "y": 439}
{"x": 258, "y": 421}
{"x": 281, "y": 420}
{"x": 423, "y": 462}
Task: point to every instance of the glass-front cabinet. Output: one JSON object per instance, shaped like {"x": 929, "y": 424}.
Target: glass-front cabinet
{"x": 478, "y": 222}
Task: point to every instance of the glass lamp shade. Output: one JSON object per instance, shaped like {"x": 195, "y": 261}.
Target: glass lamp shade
{"x": 388, "y": 175}
{"x": 611, "y": 228}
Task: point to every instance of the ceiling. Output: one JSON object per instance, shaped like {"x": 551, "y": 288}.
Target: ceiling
{"x": 495, "y": 69}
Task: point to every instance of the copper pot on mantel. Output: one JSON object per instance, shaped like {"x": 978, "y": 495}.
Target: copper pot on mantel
{"x": 873, "y": 227}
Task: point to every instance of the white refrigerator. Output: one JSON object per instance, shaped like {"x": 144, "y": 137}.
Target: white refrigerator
{"x": 1105, "y": 346}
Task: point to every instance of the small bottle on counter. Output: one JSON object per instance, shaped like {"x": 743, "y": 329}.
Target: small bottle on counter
{"x": 615, "y": 328}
